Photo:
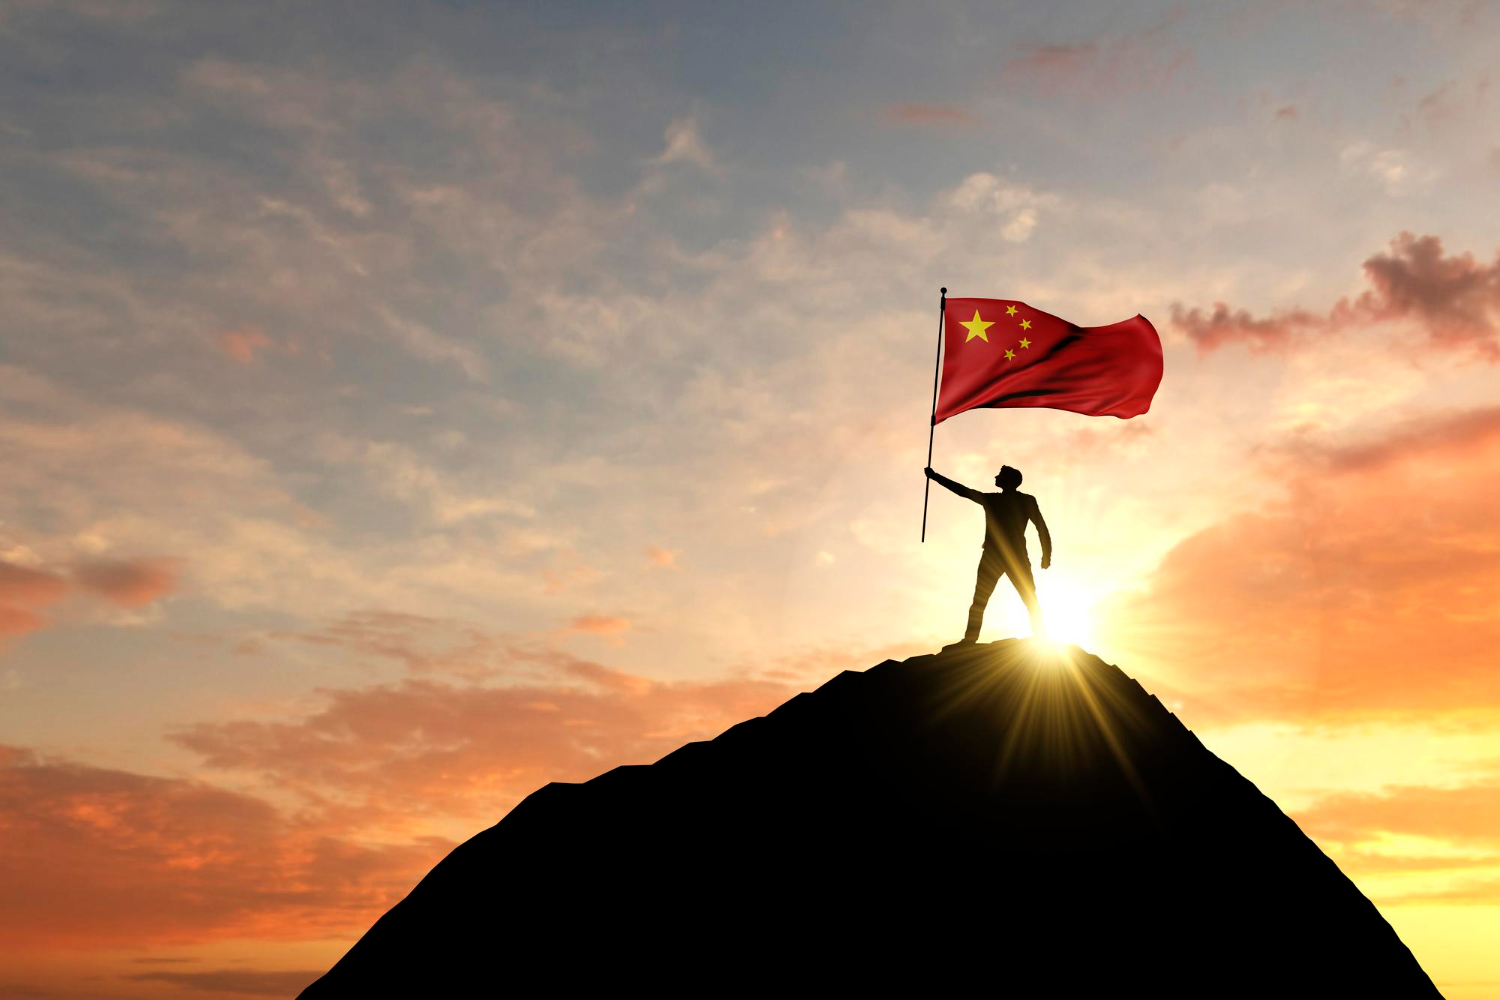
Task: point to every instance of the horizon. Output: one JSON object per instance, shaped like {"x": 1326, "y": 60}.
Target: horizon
{"x": 405, "y": 407}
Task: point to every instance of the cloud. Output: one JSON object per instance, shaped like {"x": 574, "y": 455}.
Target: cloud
{"x": 1340, "y": 600}
{"x": 1225, "y": 326}
{"x": 420, "y": 643}
{"x": 100, "y": 858}
{"x": 685, "y": 145}
{"x": 395, "y": 753}
{"x": 1414, "y": 843}
{"x": 1468, "y": 815}
{"x": 1151, "y": 58}
{"x": 662, "y": 558}
{"x": 926, "y": 115}
{"x": 23, "y": 591}
{"x": 599, "y": 624}
{"x": 130, "y": 583}
{"x": 241, "y": 345}
{"x": 246, "y": 982}
{"x": 1455, "y": 299}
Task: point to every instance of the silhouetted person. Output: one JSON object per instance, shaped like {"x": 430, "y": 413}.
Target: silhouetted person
{"x": 1005, "y": 517}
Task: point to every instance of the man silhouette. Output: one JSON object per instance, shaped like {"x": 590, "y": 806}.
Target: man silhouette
{"x": 1005, "y": 517}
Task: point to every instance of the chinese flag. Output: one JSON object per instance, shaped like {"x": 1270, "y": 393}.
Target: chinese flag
{"x": 999, "y": 352}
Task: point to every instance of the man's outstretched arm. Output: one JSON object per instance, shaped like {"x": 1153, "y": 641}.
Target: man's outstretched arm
{"x": 947, "y": 483}
{"x": 1042, "y": 533}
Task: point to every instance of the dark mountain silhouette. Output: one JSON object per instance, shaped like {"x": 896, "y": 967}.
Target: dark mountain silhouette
{"x": 1000, "y": 817}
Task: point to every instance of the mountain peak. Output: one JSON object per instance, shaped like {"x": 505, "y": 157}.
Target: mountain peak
{"x": 1011, "y": 812}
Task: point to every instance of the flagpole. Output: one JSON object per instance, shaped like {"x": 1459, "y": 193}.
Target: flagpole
{"x": 932, "y": 421}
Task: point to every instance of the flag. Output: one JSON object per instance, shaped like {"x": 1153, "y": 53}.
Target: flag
{"x": 999, "y": 352}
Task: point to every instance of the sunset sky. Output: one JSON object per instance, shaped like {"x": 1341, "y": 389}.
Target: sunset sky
{"x": 405, "y": 405}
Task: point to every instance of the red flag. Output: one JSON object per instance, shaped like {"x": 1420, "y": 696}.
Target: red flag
{"x": 1000, "y": 352}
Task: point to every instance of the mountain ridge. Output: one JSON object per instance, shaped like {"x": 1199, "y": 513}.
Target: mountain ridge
{"x": 991, "y": 812}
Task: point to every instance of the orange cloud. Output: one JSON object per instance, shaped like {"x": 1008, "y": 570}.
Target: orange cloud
{"x": 100, "y": 858}
{"x": 423, "y": 747}
{"x": 598, "y": 624}
{"x": 1370, "y": 590}
{"x": 662, "y": 558}
{"x": 130, "y": 583}
{"x": 241, "y": 345}
{"x": 1468, "y": 814}
{"x": 22, "y": 591}
{"x": 1455, "y": 299}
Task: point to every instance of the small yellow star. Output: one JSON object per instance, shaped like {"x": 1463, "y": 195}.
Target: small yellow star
{"x": 1010, "y": 310}
{"x": 1025, "y": 342}
{"x": 976, "y": 328}
{"x": 1009, "y": 355}
{"x": 1026, "y": 324}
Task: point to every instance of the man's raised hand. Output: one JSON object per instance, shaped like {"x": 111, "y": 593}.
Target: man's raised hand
{"x": 929, "y": 473}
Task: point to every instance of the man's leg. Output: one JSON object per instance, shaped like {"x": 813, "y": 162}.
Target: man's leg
{"x": 984, "y": 585}
{"x": 1021, "y": 579}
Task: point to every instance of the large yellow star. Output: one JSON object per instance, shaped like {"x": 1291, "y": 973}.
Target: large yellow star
{"x": 976, "y": 328}
{"x": 1026, "y": 324}
{"x": 1010, "y": 310}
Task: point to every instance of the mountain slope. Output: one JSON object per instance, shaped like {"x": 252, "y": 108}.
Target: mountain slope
{"x": 1005, "y": 815}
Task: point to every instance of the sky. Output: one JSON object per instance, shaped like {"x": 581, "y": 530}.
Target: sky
{"x": 404, "y": 405}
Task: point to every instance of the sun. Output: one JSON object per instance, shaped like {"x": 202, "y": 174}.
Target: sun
{"x": 1066, "y": 608}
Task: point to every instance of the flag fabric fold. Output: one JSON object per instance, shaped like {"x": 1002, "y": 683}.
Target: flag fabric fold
{"x": 1004, "y": 353}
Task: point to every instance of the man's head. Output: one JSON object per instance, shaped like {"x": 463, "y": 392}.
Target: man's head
{"x": 1008, "y": 478}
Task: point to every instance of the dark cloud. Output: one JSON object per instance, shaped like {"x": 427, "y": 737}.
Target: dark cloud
{"x": 1223, "y": 325}
{"x": 1454, "y": 299}
{"x": 130, "y": 583}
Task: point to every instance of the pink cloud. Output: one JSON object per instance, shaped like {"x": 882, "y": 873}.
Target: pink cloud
{"x": 241, "y": 345}
{"x": 1455, "y": 299}
{"x": 130, "y": 583}
{"x": 1149, "y": 59}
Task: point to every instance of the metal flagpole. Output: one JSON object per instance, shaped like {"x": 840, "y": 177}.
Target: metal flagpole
{"x": 932, "y": 421}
